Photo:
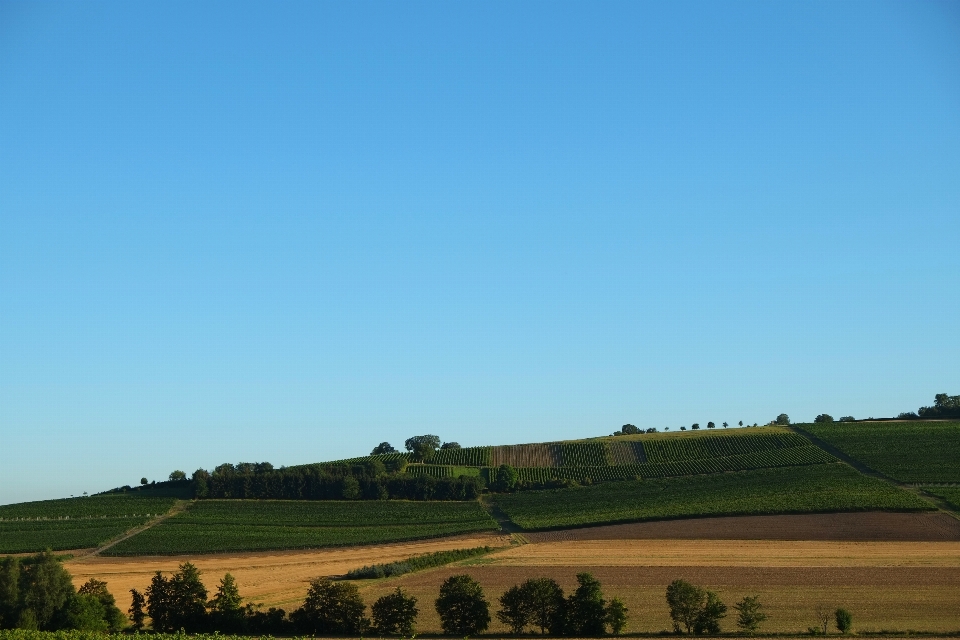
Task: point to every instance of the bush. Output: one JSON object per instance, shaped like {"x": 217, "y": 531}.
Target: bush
{"x": 462, "y": 607}
{"x": 823, "y": 417}
{"x": 847, "y": 419}
{"x": 844, "y": 620}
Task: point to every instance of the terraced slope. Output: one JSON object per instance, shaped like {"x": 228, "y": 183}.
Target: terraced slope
{"x": 211, "y": 526}
{"x": 913, "y": 452}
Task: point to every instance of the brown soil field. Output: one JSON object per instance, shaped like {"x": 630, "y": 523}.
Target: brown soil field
{"x": 276, "y": 578}
{"x": 868, "y": 526}
{"x": 526, "y": 455}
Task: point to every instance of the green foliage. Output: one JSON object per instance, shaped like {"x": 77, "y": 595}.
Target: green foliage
{"x": 383, "y": 447}
{"x": 226, "y": 607}
{"x": 331, "y": 608}
{"x": 616, "y": 616}
{"x": 545, "y": 604}
{"x": 749, "y": 614}
{"x": 462, "y": 607}
{"x": 111, "y": 614}
{"x": 820, "y": 488}
{"x": 514, "y": 611}
{"x": 844, "y": 620}
{"x": 823, "y": 417}
{"x": 423, "y": 448}
{"x": 47, "y": 590}
{"x": 783, "y": 419}
{"x": 86, "y": 613}
{"x": 469, "y": 456}
{"x": 629, "y": 430}
{"x": 9, "y": 592}
{"x": 586, "y": 608}
{"x": 506, "y": 479}
{"x": 694, "y": 609}
{"x": 906, "y": 451}
{"x": 950, "y": 494}
{"x": 137, "y": 611}
{"x": 178, "y": 602}
{"x": 210, "y": 526}
{"x": 583, "y": 454}
{"x": 416, "y": 563}
{"x": 395, "y": 614}
{"x": 944, "y": 406}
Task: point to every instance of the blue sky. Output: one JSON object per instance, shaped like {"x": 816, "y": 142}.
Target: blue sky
{"x": 290, "y": 231}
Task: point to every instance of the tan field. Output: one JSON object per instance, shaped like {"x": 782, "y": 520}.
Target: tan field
{"x": 893, "y": 582}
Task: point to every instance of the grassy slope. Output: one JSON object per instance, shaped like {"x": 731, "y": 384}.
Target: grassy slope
{"x": 950, "y": 494}
{"x": 73, "y": 523}
{"x": 906, "y": 451}
{"x": 822, "y": 488}
{"x": 251, "y": 525}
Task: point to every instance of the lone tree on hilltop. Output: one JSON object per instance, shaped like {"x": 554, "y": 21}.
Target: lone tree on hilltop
{"x": 423, "y": 448}
{"x": 710, "y": 425}
{"x": 695, "y": 426}
{"x": 783, "y": 419}
{"x": 462, "y": 607}
{"x": 823, "y": 417}
{"x": 629, "y": 430}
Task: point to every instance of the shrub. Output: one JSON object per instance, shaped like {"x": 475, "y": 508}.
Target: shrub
{"x": 749, "y": 615}
{"x": 823, "y": 417}
{"x": 844, "y": 620}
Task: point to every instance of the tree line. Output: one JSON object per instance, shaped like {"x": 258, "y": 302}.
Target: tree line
{"x": 38, "y": 594}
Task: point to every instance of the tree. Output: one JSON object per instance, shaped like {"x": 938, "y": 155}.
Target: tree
{"x": 844, "y": 620}
{"x": 823, "y": 417}
{"x": 9, "y": 592}
{"x": 709, "y": 619}
{"x": 848, "y": 419}
{"x": 188, "y": 599}
{"x": 85, "y": 613}
{"x": 749, "y": 615}
{"x": 514, "y": 609}
{"x": 462, "y": 607}
{"x": 783, "y": 419}
{"x": 144, "y": 481}
{"x": 545, "y": 603}
{"x": 725, "y": 425}
{"x": 451, "y": 445}
{"x": 695, "y": 426}
{"x": 177, "y": 475}
{"x": 823, "y": 618}
{"x": 586, "y": 608}
{"x": 506, "y": 479}
{"x": 383, "y": 448}
{"x": 114, "y": 618}
{"x": 137, "y": 614}
{"x": 423, "y": 448}
{"x": 694, "y": 609}
{"x": 395, "y": 614}
{"x": 351, "y": 488}
{"x": 226, "y": 607}
{"x": 741, "y": 423}
{"x": 616, "y": 615}
{"x": 710, "y": 425}
{"x": 332, "y": 608}
{"x": 47, "y": 590}
{"x": 629, "y": 429}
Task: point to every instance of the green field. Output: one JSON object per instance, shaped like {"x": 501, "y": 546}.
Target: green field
{"x": 73, "y": 523}
{"x": 916, "y": 452}
{"x": 211, "y": 526}
{"x": 950, "y": 494}
{"x": 811, "y": 489}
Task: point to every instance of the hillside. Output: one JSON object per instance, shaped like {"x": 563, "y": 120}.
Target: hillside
{"x": 627, "y": 478}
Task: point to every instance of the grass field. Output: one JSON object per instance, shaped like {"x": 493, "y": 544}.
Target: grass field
{"x": 73, "y": 523}
{"x": 213, "y": 526}
{"x": 820, "y": 488}
{"x": 915, "y": 452}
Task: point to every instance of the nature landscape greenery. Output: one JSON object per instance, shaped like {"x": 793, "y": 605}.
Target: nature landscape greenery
{"x": 436, "y": 490}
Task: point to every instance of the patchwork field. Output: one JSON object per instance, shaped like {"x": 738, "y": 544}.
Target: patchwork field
{"x": 820, "y": 488}
{"x": 916, "y": 452}
{"x": 216, "y": 526}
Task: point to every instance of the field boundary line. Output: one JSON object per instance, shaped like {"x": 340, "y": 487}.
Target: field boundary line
{"x": 506, "y": 524}
{"x": 178, "y": 507}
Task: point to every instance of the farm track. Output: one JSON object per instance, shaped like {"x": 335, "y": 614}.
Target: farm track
{"x": 178, "y": 507}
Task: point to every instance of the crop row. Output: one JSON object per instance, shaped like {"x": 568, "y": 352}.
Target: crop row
{"x": 719, "y": 445}
{"x": 240, "y": 525}
{"x": 27, "y": 536}
{"x": 794, "y": 456}
{"x": 816, "y": 488}
{"x": 469, "y": 456}
{"x": 114, "y": 505}
{"x": 917, "y": 452}
{"x": 583, "y": 454}
{"x": 441, "y": 471}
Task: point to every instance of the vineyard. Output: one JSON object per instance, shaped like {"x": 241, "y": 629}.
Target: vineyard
{"x": 73, "y": 523}
{"x": 916, "y": 452}
{"x": 950, "y": 494}
{"x": 246, "y": 525}
{"x": 441, "y": 471}
{"x": 811, "y": 489}
{"x": 469, "y": 457}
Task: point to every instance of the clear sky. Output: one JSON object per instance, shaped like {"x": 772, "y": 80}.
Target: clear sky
{"x": 289, "y": 231}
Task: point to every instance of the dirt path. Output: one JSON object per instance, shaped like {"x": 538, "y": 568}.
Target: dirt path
{"x": 177, "y": 507}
